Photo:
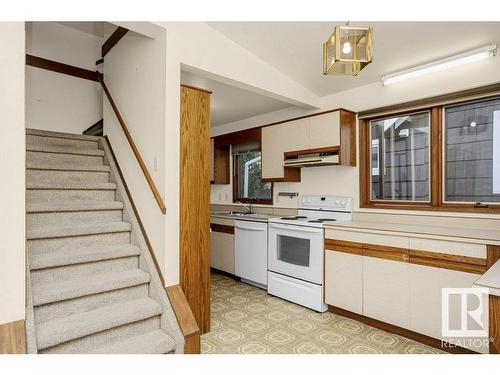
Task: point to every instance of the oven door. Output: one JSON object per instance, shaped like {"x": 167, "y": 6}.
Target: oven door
{"x": 296, "y": 251}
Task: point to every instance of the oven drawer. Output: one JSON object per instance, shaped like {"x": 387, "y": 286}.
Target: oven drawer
{"x": 297, "y": 291}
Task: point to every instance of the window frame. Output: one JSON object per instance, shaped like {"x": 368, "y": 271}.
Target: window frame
{"x": 428, "y": 112}
{"x": 437, "y": 162}
{"x": 236, "y": 182}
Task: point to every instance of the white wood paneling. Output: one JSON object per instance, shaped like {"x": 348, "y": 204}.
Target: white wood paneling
{"x": 344, "y": 281}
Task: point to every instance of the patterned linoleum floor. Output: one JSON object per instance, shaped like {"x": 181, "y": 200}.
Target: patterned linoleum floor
{"x": 246, "y": 320}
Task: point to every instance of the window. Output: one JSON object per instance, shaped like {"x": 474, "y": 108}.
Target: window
{"x": 444, "y": 157}
{"x": 400, "y": 158}
{"x": 471, "y": 152}
{"x": 247, "y": 184}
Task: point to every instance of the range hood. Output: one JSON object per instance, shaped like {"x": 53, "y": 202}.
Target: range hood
{"x": 300, "y": 160}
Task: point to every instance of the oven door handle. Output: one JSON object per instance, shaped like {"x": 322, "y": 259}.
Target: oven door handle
{"x": 296, "y": 228}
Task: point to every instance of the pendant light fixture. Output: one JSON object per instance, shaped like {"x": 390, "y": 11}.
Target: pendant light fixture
{"x": 348, "y": 50}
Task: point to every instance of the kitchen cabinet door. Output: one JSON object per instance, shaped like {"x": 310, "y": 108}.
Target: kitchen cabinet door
{"x": 278, "y": 139}
{"x": 386, "y": 291}
{"x": 272, "y": 147}
{"x": 426, "y": 285}
{"x": 324, "y": 130}
{"x": 344, "y": 281}
{"x": 222, "y": 251}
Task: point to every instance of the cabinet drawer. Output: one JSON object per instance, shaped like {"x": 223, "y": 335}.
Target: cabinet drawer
{"x": 222, "y": 221}
{"x": 367, "y": 238}
{"x": 344, "y": 281}
{"x": 449, "y": 247}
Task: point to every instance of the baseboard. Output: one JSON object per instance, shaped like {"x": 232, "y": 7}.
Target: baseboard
{"x": 412, "y": 335}
{"x": 224, "y": 273}
{"x": 13, "y": 338}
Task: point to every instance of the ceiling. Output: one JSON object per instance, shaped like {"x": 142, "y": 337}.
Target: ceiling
{"x": 230, "y": 103}
{"x": 295, "y": 48}
{"x": 92, "y": 27}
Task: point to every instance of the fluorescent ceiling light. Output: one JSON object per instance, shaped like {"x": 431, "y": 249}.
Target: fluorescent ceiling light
{"x": 440, "y": 65}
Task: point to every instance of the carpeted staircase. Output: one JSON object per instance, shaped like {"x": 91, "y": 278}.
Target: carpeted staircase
{"x": 92, "y": 284}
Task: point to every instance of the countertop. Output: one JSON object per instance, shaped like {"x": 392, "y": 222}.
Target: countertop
{"x": 491, "y": 279}
{"x": 482, "y": 236}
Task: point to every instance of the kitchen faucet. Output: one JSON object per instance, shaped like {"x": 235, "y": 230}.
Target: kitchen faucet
{"x": 249, "y": 207}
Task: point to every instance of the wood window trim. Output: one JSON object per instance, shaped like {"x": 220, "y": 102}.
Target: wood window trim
{"x": 436, "y": 202}
{"x": 236, "y": 186}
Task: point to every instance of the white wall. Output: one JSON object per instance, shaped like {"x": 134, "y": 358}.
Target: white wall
{"x": 12, "y": 185}
{"x": 337, "y": 180}
{"x": 134, "y": 72}
{"x": 57, "y": 101}
{"x": 198, "y": 48}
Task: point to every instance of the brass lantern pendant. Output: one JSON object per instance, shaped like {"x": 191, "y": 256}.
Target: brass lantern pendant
{"x": 348, "y": 50}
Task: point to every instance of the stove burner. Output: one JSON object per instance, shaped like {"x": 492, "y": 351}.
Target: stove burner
{"x": 294, "y": 217}
{"x": 321, "y": 220}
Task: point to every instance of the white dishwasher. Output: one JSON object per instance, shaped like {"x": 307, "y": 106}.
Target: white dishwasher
{"x": 250, "y": 258}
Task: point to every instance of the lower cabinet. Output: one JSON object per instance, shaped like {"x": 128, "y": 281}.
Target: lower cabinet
{"x": 344, "y": 281}
{"x": 222, "y": 251}
{"x": 426, "y": 286}
{"x": 376, "y": 281}
{"x": 385, "y": 291}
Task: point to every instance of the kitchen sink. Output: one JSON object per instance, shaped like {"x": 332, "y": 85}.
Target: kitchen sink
{"x": 235, "y": 213}
{"x": 241, "y": 214}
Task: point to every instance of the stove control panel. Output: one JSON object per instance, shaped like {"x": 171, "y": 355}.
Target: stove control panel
{"x": 326, "y": 202}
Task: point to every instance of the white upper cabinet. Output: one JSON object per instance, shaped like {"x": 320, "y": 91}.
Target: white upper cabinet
{"x": 324, "y": 130}
{"x": 318, "y": 131}
{"x": 278, "y": 139}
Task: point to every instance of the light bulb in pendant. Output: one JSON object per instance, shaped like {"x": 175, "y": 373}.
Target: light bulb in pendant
{"x": 346, "y": 48}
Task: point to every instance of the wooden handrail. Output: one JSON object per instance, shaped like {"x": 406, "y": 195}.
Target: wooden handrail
{"x": 183, "y": 313}
{"x": 136, "y": 152}
{"x": 185, "y": 318}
